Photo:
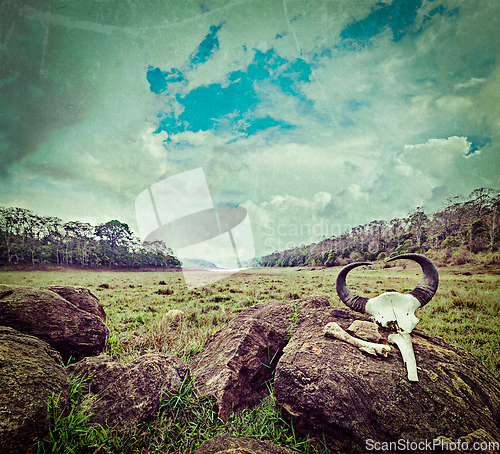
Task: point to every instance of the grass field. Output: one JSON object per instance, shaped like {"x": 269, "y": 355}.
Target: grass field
{"x": 465, "y": 311}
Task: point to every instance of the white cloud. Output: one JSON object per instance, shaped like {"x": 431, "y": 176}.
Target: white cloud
{"x": 420, "y": 107}
{"x": 472, "y": 82}
{"x": 200, "y": 138}
{"x": 357, "y": 194}
{"x": 321, "y": 199}
{"x": 436, "y": 154}
{"x": 403, "y": 168}
{"x": 454, "y": 104}
{"x": 287, "y": 221}
{"x": 152, "y": 144}
{"x": 411, "y": 178}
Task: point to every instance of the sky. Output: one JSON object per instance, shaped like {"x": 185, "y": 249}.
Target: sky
{"x": 314, "y": 116}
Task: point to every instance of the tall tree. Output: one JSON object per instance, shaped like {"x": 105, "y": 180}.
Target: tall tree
{"x": 54, "y": 234}
{"x": 418, "y": 225}
{"x": 14, "y": 224}
{"x": 114, "y": 236}
{"x": 114, "y": 233}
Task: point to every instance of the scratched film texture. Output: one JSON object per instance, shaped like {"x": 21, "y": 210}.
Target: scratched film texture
{"x": 325, "y": 113}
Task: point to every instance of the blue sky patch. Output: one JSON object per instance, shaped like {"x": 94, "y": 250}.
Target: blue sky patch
{"x": 441, "y": 10}
{"x": 261, "y": 124}
{"x": 353, "y": 105}
{"x": 346, "y": 121}
{"x": 398, "y": 16}
{"x": 207, "y": 47}
{"x": 159, "y": 80}
{"x": 228, "y": 106}
{"x": 205, "y": 105}
{"x": 477, "y": 143}
{"x": 302, "y": 68}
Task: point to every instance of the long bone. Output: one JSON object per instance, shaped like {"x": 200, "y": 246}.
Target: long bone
{"x": 392, "y": 309}
{"x": 336, "y": 331}
{"x": 403, "y": 341}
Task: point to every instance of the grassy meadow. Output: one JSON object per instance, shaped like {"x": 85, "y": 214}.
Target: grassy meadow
{"x": 465, "y": 311}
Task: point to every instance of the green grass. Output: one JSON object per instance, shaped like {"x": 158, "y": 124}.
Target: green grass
{"x": 465, "y": 311}
{"x": 185, "y": 419}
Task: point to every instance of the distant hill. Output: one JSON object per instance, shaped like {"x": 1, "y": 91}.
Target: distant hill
{"x": 199, "y": 264}
{"x": 251, "y": 263}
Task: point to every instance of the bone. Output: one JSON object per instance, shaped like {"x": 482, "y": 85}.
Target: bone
{"x": 333, "y": 329}
{"x": 403, "y": 341}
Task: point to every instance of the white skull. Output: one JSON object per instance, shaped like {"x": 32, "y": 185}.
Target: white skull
{"x": 394, "y": 307}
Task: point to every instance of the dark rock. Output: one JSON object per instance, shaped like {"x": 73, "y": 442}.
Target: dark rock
{"x": 53, "y": 319}
{"x": 279, "y": 313}
{"x": 30, "y": 372}
{"x": 481, "y": 440}
{"x": 238, "y": 360}
{"x": 331, "y": 387}
{"x": 81, "y": 297}
{"x": 128, "y": 394}
{"x": 228, "y": 444}
{"x": 236, "y": 364}
{"x": 99, "y": 372}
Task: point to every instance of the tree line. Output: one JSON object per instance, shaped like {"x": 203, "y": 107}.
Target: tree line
{"x": 471, "y": 222}
{"x": 27, "y": 238}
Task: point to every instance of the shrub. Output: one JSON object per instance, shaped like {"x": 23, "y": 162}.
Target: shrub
{"x": 220, "y": 298}
{"x": 292, "y": 296}
{"x": 491, "y": 259}
{"x": 166, "y": 291}
{"x": 451, "y": 241}
{"x": 462, "y": 256}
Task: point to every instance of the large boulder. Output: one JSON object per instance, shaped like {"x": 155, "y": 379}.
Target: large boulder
{"x": 81, "y": 297}
{"x": 30, "y": 373}
{"x": 330, "y": 388}
{"x": 229, "y": 444}
{"x": 53, "y": 319}
{"x": 124, "y": 395}
{"x": 98, "y": 371}
{"x": 238, "y": 361}
{"x": 360, "y": 401}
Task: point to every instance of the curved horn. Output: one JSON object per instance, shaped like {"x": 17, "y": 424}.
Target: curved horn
{"x": 427, "y": 287}
{"x": 348, "y": 297}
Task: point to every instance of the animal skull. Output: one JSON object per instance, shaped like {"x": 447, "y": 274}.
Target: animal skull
{"x": 395, "y": 310}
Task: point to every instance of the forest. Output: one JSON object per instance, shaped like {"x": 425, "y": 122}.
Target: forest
{"x": 29, "y": 239}
{"x": 465, "y": 226}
